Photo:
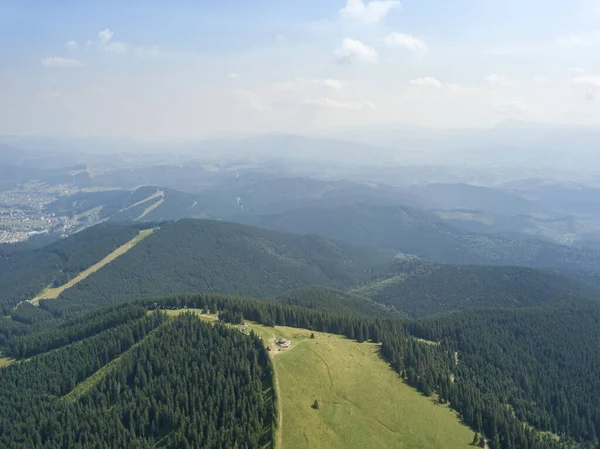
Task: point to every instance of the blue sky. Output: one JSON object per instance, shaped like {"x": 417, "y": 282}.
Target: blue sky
{"x": 185, "y": 69}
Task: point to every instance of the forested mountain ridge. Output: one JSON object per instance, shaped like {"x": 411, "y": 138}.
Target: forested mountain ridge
{"x": 209, "y": 256}
{"x": 145, "y": 203}
{"x": 335, "y": 301}
{"x": 542, "y": 362}
{"x": 418, "y": 288}
{"x": 416, "y": 232}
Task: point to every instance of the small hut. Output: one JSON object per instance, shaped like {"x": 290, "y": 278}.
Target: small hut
{"x": 283, "y": 343}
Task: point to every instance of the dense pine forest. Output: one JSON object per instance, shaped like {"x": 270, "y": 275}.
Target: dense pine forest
{"x": 418, "y": 232}
{"x": 172, "y": 383}
{"x": 420, "y": 288}
{"x": 543, "y": 363}
{"x": 207, "y": 256}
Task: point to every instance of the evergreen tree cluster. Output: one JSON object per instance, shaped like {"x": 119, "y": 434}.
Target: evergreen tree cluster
{"x": 536, "y": 366}
{"x": 191, "y": 256}
{"x": 75, "y": 329}
{"x": 172, "y": 383}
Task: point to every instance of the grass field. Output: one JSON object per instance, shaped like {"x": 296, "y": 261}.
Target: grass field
{"x": 53, "y": 293}
{"x": 362, "y": 402}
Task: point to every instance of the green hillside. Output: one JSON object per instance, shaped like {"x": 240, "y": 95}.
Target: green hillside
{"x": 146, "y": 203}
{"x": 422, "y": 234}
{"x": 541, "y": 362}
{"x": 125, "y": 368}
{"x": 331, "y": 300}
{"x": 424, "y": 288}
{"x": 208, "y": 256}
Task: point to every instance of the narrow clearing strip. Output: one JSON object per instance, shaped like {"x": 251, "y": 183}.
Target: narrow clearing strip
{"x": 151, "y": 197}
{"x": 53, "y": 293}
{"x": 150, "y": 209}
{"x": 85, "y": 386}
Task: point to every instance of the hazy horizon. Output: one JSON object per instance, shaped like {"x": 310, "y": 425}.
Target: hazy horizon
{"x": 147, "y": 71}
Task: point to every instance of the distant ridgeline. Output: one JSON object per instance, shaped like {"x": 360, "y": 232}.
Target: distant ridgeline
{"x": 521, "y": 378}
{"x": 418, "y": 232}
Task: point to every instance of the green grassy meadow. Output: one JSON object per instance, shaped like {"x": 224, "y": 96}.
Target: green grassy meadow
{"x": 362, "y": 402}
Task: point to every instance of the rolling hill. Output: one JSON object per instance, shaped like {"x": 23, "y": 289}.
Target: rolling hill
{"x": 146, "y": 203}
{"x": 331, "y": 300}
{"x": 209, "y": 256}
{"x": 419, "y": 233}
{"x": 306, "y": 270}
{"x": 421, "y": 288}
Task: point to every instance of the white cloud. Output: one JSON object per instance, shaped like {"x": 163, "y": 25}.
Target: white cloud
{"x": 117, "y": 47}
{"x": 353, "y": 50}
{"x": 578, "y": 71}
{"x": 106, "y": 43}
{"x": 312, "y": 87}
{"x": 580, "y": 40}
{"x": 329, "y": 103}
{"x": 371, "y": 12}
{"x": 331, "y": 83}
{"x": 540, "y": 80}
{"x": 512, "y": 107}
{"x": 71, "y": 45}
{"x": 54, "y": 61}
{"x": 590, "y": 83}
{"x": 498, "y": 80}
{"x": 280, "y": 39}
{"x": 428, "y": 82}
{"x": 233, "y": 76}
{"x": 406, "y": 41}
{"x": 433, "y": 83}
{"x": 250, "y": 100}
{"x": 105, "y": 35}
